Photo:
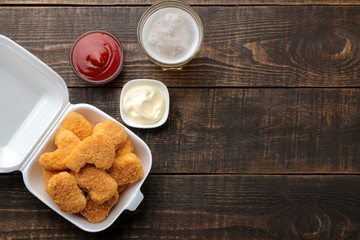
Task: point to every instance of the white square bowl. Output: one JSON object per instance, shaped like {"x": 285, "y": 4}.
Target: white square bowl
{"x": 146, "y": 82}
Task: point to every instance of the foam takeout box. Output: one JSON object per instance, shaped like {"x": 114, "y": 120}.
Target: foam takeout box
{"x": 33, "y": 102}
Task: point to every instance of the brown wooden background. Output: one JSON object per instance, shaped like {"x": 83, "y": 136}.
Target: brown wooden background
{"x": 263, "y": 136}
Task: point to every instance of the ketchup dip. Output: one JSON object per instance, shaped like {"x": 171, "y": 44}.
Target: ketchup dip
{"x": 97, "y": 57}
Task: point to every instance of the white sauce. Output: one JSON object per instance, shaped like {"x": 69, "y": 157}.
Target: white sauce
{"x": 171, "y": 35}
{"x": 143, "y": 105}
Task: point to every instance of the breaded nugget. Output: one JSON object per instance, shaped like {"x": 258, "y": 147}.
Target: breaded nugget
{"x": 76, "y": 123}
{"x": 114, "y": 130}
{"x": 96, "y": 149}
{"x": 66, "y": 141}
{"x": 127, "y": 148}
{"x": 126, "y": 169}
{"x": 122, "y": 188}
{"x": 64, "y": 191}
{"x": 97, "y": 183}
{"x": 95, "y": 212}
{"x": 47, "y": 174}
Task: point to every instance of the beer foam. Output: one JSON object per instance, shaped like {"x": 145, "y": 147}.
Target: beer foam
{"x": 171, "y": 35}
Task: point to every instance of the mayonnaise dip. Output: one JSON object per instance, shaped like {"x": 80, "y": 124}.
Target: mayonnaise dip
{"x": 143, "y": 104}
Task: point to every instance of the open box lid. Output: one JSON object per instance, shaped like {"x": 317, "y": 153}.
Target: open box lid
{"x": 32, "y": 97}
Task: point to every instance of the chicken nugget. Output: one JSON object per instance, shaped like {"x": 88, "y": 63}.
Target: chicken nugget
{"x": 126, "y": 169}
{"x": 126, "y": 149}
{"x": 96, "y": 149}
{"x": 66, "y": 141}
{"x": 64, "y": 191}
{"x": 76, "y": 123}
{"x": 97, "y": 183}
{"x": 122, "y": 188}
{"x": 47, "y": 174}
{"x": 114, "y": 130}
{"x": 96, "y": 212}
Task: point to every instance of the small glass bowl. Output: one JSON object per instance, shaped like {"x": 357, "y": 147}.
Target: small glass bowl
{"x": 147, "y": 82}
{"x": 170, "y": 4}
{"x": 113, "y": 76}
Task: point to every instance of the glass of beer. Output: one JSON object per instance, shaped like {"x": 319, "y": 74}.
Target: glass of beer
{"x": 170, "y": 33}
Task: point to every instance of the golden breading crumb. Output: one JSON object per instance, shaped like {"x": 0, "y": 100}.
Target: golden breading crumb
{"x": 76, "y": 123}
{"x": 96, "y": 212}
{"x": 64, "y": 191}
{"x": 127, "y": 148}
{"x": 66, "y": 141}
{"x": 114, "y": 130}
{"x": 97, "y": 183}
{"x": 96, "y": 149}
{"x": 126, "y": 169}
{"x": 47, "y": 174}
{"x": 122, "y": 188}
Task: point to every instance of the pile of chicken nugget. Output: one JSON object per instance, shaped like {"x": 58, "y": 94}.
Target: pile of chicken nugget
{"x": 90, "y": 167}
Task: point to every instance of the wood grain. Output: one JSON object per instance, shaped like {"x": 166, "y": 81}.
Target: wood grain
{"x": 205, "y": 207}
{"x": 261, "y": 130}
{"x": 193, "y": 2}
{"x": 274, "y": 46}
{"x": 262, "y": 140}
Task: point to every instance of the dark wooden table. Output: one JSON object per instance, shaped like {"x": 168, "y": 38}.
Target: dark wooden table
{"x": 263, "y": 136}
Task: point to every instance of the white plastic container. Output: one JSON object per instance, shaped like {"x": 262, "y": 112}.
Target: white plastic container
{"x": 33, "y": 102}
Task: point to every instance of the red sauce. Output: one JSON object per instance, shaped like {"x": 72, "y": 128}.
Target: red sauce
{"x": 97, "y": 56}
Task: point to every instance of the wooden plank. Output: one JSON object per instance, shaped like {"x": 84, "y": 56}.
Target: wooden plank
{"x": 300, "y": 46}
{"x": 261, "y": 130}
{"x": 205, "y": 207}
{"x": 192, "y": 2}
